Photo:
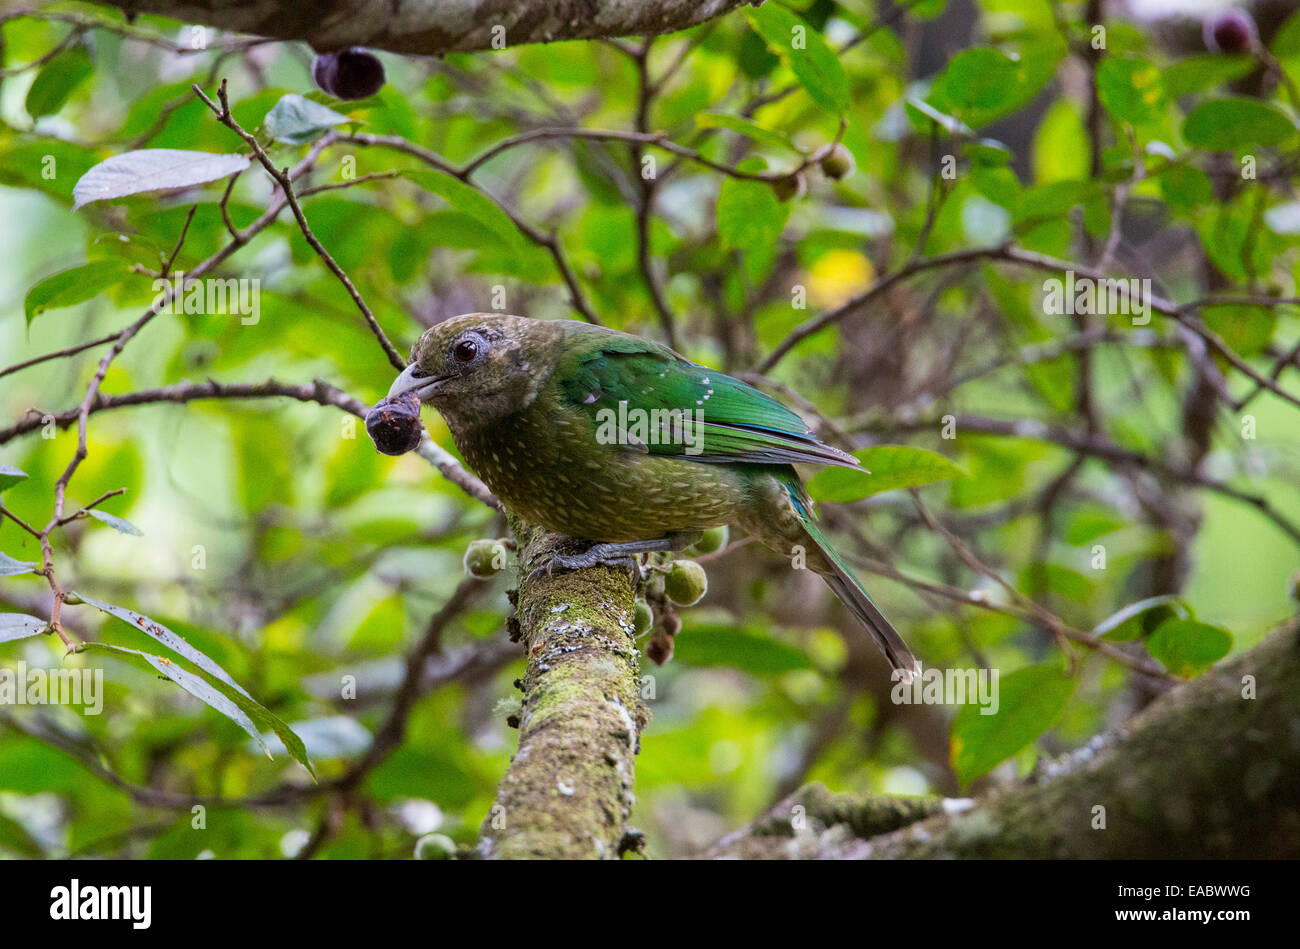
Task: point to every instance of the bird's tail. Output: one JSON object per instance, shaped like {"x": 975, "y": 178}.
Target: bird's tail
{"x": 850, "y": 592}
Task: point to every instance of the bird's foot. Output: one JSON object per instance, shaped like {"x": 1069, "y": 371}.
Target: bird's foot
{"x": 612, "y": 555}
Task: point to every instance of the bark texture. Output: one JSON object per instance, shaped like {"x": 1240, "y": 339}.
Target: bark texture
{"x": 569, "y": 788}
{"x": 434, "y": 27}
{"x": 1206, "y": 770}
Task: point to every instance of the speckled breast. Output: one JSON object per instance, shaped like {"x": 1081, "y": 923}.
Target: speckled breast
{"x": 555, "y": 473}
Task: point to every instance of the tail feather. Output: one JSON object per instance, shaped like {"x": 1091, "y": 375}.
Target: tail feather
{"x": 856, "y": 599}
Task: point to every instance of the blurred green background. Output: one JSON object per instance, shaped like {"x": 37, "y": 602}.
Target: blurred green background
{"x": 278, "y": 541}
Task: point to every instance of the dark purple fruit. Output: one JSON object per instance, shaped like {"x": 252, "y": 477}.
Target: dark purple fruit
{"x": 1230, "y": 31}
{"x": 352, "y": 73}
{"x": 394, "y": 424}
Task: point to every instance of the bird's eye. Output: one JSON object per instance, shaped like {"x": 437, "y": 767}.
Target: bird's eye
{"x": 466, "y": 350}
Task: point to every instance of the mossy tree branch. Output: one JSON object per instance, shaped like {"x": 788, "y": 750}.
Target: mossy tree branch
{"x": 569, "y": 788}
{"x": 434, "y": 27}
{"x": 1211, "y": 769}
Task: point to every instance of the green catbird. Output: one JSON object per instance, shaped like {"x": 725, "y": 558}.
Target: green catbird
{"x": 628, "y": 447}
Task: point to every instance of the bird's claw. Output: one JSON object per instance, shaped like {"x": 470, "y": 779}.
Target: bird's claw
{"x": 595, "y": 555}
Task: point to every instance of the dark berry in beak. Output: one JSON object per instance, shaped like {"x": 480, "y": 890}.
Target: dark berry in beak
{"x": 394, "y": 424}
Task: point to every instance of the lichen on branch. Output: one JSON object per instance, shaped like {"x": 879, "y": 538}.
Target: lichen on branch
{"x": 569, "y": 789}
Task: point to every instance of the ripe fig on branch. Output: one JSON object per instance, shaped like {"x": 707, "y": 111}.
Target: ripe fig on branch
{"x": 394, "y": 424}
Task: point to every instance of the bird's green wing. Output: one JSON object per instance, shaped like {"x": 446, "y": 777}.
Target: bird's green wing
{"x": 648, "y": 398}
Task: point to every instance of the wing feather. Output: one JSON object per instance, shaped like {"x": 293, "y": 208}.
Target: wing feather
{"x": 719, "y": 419}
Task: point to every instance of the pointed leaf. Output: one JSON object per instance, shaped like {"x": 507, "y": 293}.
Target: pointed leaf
{"x": 1110, "y": 627}
{"x": 70, "y": 287}
{"x": 14, "y": 837}
{"x": 165, "y": 636}
{"x": 296, "y": 120}
{"x": 815, "y": 65}
{"x": 1236, "y": 124}
{"x": 216, "y": 678}
{"x": 746, "y": 127}
{"x": 152, "y": 169}
{"x": 888, "y": 467}
{"x": 332, "y": 737}
{"x": 20, "y": 626}
{"x": 57, "y": 80}
{"x": 751, "y": 650}
{"x": 1186, "y": 648}
{"x": 12, "y": 568}
{"x": 469, "y": 201}
{"x": 117, "y": 523}
{"x": 1030, "y": 701}
{"x": 191, "y": 683}
{"x": 10, "y": 476}
{"x": 918, "y": 110}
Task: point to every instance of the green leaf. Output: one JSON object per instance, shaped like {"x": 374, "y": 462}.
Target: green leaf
{"x": 12, "y": 568}
{"x": 20, "y": 626}
{"x": 295, "y": 120}
{"x": 1247, "y": 329}
{"x": 191, "y": 683}
{"x": 1236, "y": 124}
{"x": 1118, "y": 626}
{"x": 333, "y": 737}
{"x": 165, "y": 636}
{"x": 70, "y": 287}
{"x": 749, "y": 215}
{"x": 152, "y": 169}
{"x": 983, "y": 84}
{"x": 214, "y": 676}
{"x": 746, "y": 127}
{"x": 15, "y": 838}
{"x": 1186, "y": 647}
{"x": 469, "y": 201}
{"x": 57, "y": 80}
{"x": 815, "y": 65}
{"x": 715, "y": 644}
{"x": 1132, "y": 90}
{"x": 1286, "y": 42}
{"x": 1053, "y": 578}
{"x": 1086, "y": 524}
{"x": 1198, "y": 73}
{"x": 888, "y": 467}
{"x": 922, "y": 114}
{"x": 988, "y": 151}
{"x": 1030, "y": 701}
{"x": 10, "y": 476}
{"x": 117, "y": 523}
{"x": 1185, "y": 187}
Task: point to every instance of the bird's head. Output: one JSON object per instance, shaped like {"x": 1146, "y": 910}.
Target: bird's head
{"x": 479, "y": 367}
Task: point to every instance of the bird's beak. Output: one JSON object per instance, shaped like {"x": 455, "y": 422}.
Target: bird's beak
{"x": 413, "y": 379}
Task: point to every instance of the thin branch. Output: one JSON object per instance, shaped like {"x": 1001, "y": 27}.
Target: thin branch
{"x": 58, "y": 354}
{"x": 549, "y": 242}
{"x": 322, "y": 393}
{"x": 1097, "y": 446}
{"x": 283, "y": 179}
{"x": 1009, "y": 254}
